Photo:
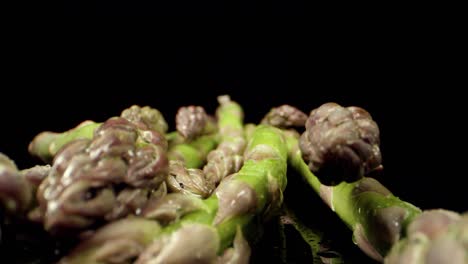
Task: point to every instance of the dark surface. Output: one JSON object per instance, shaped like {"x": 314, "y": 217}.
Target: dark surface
{"x": 409, "y": 89}
{"x": 181, "y": 7}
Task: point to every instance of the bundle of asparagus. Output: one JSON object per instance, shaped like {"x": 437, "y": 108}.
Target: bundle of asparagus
{"x": 127, "y": 191}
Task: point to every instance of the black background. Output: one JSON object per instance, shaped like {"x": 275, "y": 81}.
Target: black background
{"x": 411, "y": 86}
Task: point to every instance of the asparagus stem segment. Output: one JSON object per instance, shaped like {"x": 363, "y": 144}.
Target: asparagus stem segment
{"x": 227, "y": 157}
{"x": 46, "y": 144}
{"x": 193, "y": 154}
{"x": 378, "y": 218}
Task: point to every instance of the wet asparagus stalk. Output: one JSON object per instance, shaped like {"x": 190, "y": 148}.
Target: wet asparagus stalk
{"x": 227, "y": 157}
{"x": 195, "y": 137}
{"x": 379, "y": 220}
{"x": 377, "y": 217}
{"x": 46, "y": 144}
{"x": 224, "y": 160}
{"x": 205, "y": 234}
{"x": 193, "y": 154}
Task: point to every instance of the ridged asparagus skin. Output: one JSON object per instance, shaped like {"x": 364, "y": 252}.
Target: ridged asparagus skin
{"x": 221, "y": 220}
{"x": 227, "y": 157}
{"x": 193, "y": 153}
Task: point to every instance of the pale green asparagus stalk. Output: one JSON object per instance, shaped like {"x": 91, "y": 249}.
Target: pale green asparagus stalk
{"x": 377, "y": 217}
{"x": 341, "y": 145}
{"x": 220, "y": 162}
{"x": 227, "y": 157}
{"x": 46, "y": 144}
{"x": 193, "y": 154}
{"x": 386, "y": 228}
{"x": 205, "y": 234}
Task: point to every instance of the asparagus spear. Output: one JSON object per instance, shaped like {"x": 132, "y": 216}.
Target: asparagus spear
{"x": 194, "y": 138}
{"x": 224, "y": 160}
{"x": 379, "y": 220}
{"x": 46, "y": 144}
{"x": 377, "y": 217}
{"x": 227, "y": 157}
{"x": 221, "y": 219}
{"x": 192, "y": 154}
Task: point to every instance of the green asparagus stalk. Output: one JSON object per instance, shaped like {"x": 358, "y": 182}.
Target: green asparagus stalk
{"x": 377, "y": 217}
{"x": 192, "y": 154}
{"x": 224, "y": 160}
{"x": 249, "y": 129}
{"x": 344, "y": 142}
{"x": 205, "y": 235}
{"x": 227, "y": 157}
{"x": 194, "y": 138}
{"x": 46, "y": 144}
